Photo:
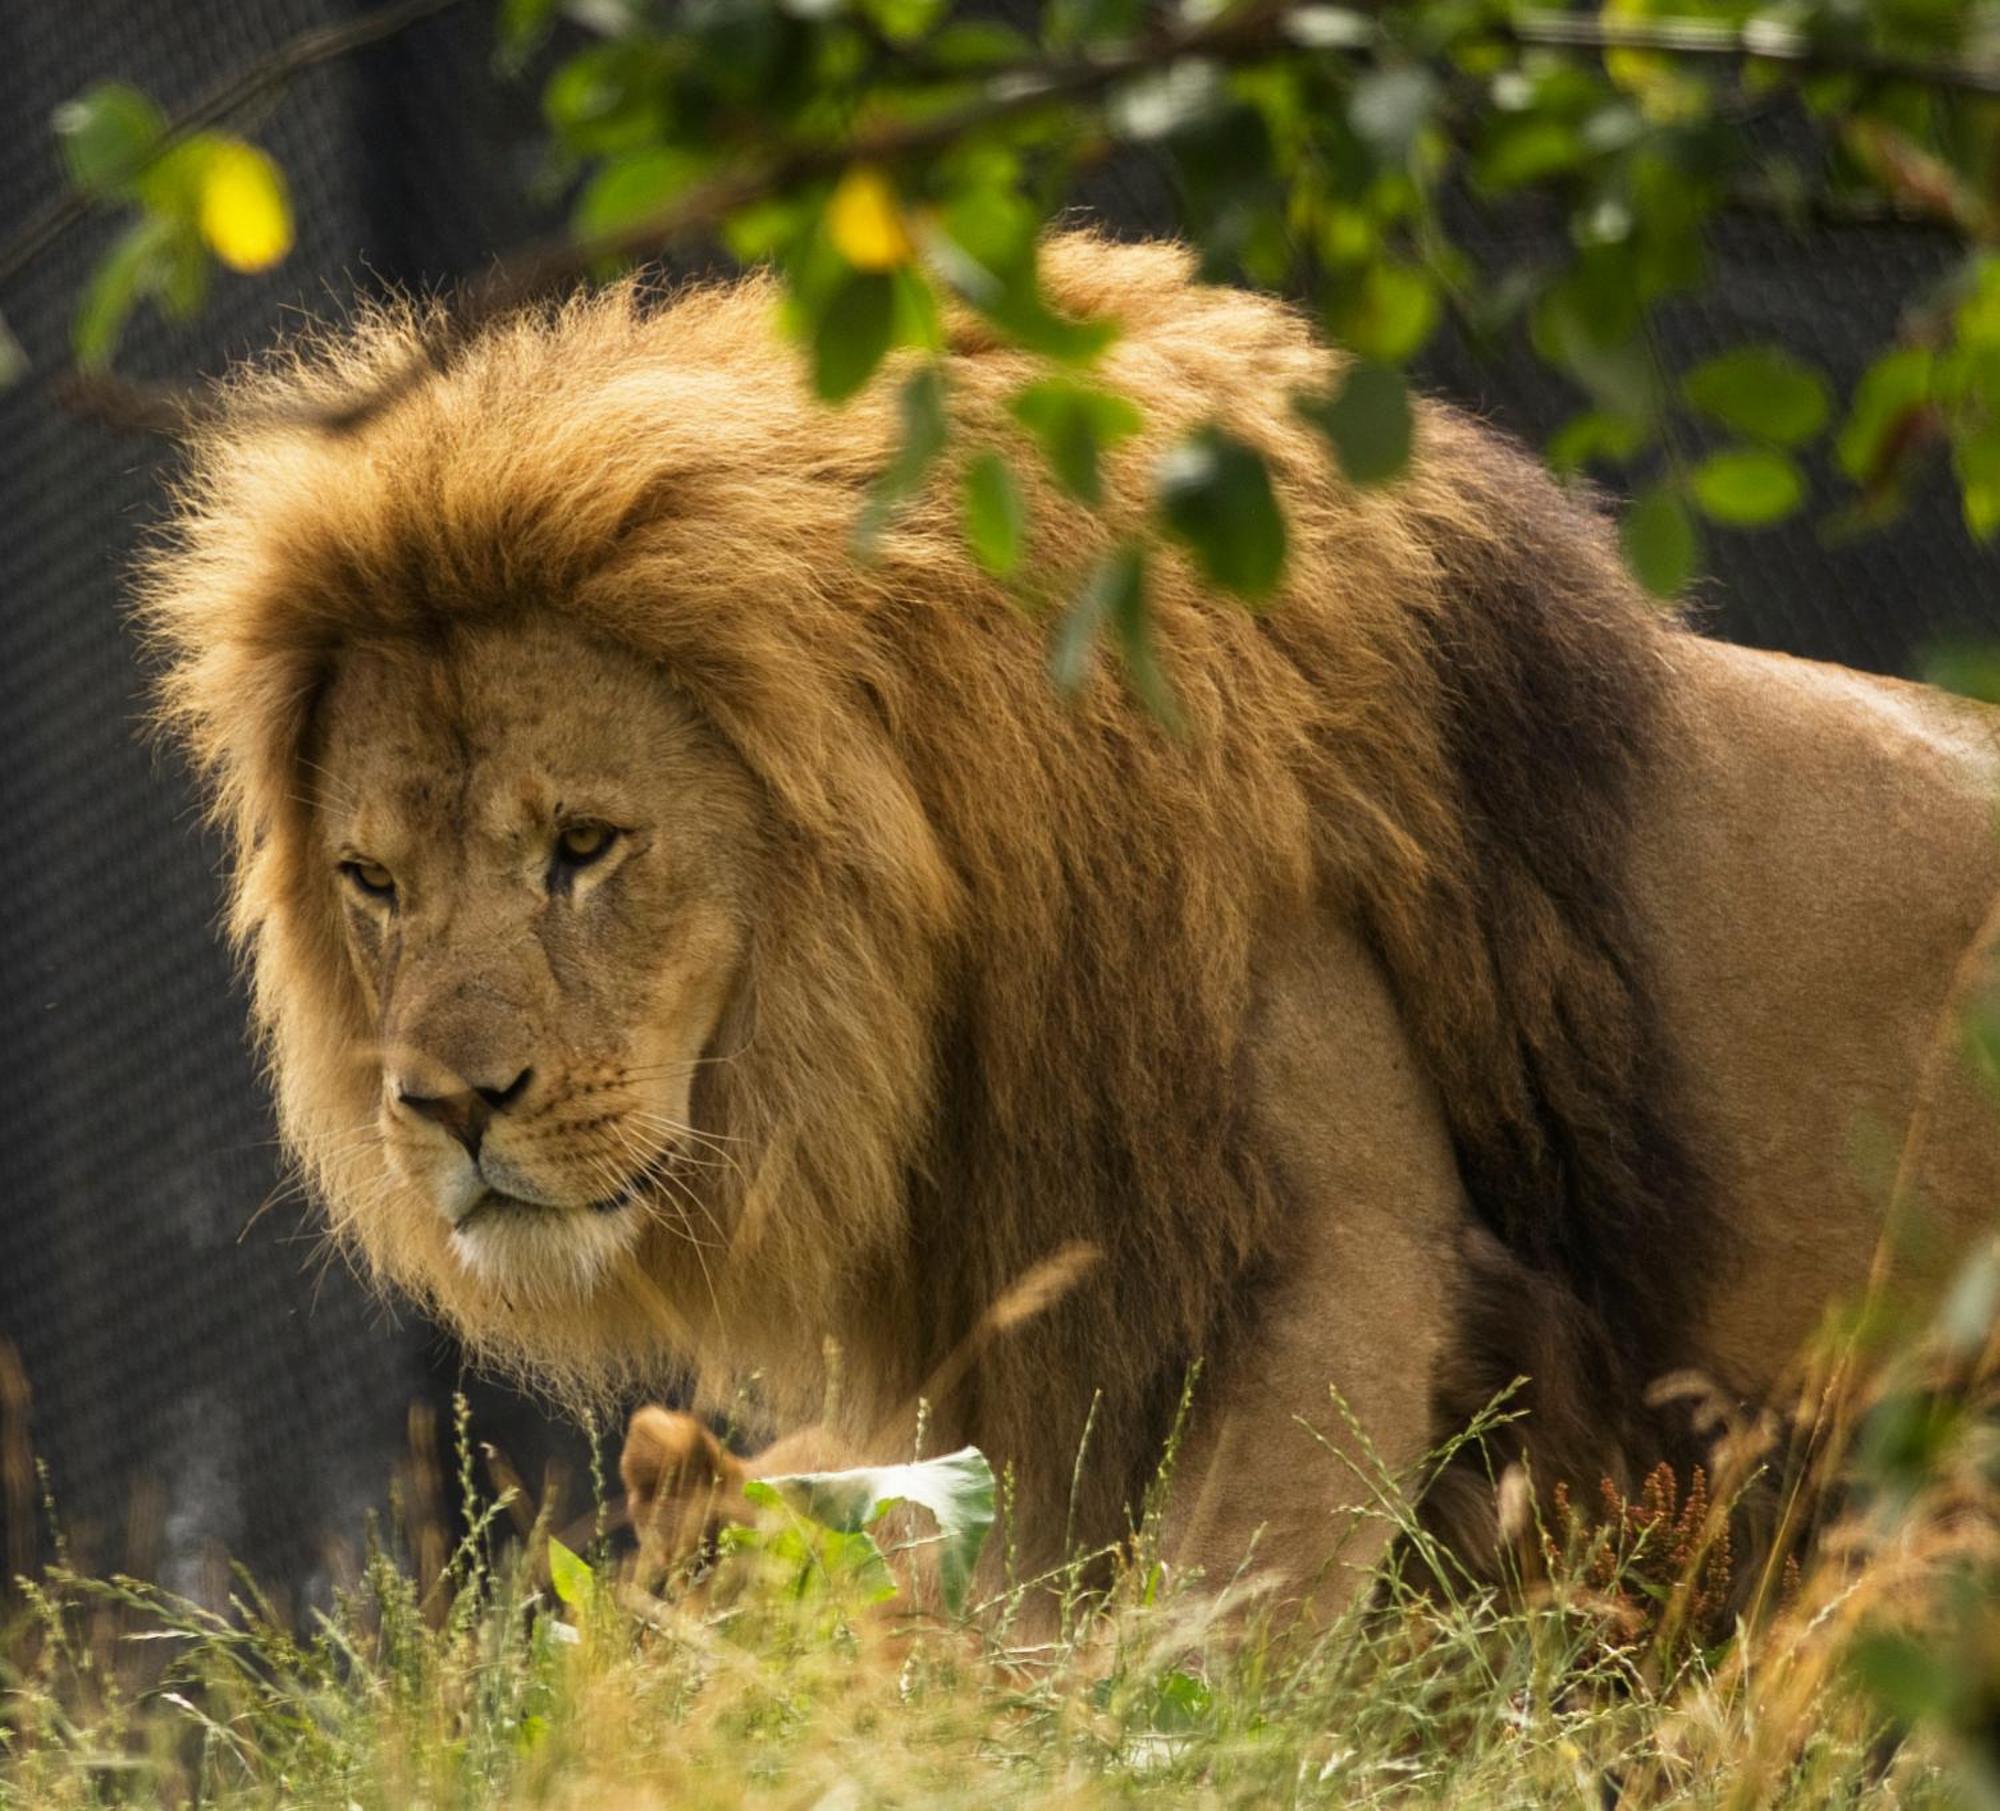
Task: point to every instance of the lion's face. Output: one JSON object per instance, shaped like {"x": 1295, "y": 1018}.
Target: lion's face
{"x": 545, "y": 869}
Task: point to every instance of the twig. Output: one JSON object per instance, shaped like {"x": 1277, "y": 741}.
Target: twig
{"x": 228, "y": 97}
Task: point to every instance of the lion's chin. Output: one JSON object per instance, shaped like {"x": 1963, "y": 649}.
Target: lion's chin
{"x": 551, "y": 1253}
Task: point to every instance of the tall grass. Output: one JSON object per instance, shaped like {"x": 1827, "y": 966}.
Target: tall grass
{"x": 1639, "y": 1654}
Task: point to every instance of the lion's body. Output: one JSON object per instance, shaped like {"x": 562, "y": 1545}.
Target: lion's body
{"x": 1492, "y": 976}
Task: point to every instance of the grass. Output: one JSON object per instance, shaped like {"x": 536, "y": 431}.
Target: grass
{"x": 1633, "y": 1660}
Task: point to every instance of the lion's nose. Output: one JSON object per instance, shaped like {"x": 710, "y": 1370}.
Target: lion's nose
{"x": 465, "y": 1112}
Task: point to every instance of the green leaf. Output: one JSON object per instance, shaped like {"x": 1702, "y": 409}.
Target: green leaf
{"x": 13, "y": 360}
{"x": 957, "y": 1489}
{"x": 107, "y": 133}
{"x": 1762, "y": 391}
{"x": 1524, "y": 149}
{"x": 1165, "y": 101}
{"x": 1386, "y": 313}
{"x": 632, "y": 189}
{"x": 521, "y": 30}
{"x": 1368, "y": 421}
{"x": 1894, "y": 391}
{"x": 1969, "y": 668}
{"x": 1074, "y": 424}
{"x": 1594, "y": 435}
{"x": 608, "y": 99}
{"x": 1116, "y": 585}
{"x": 986, "y": 252}
{"x": 571, "y": 1576}
{"x": 1388, "y": 108}
{"x": 996, "y": 514}
{"x": 1904, "y": 1677}
{"x": 1662, "y": 545}
{"x": 1747, "y": 487}
{"x": 920, "y": 407}
{"x": 1132, "y": 623}
{"x": 135, "y": 266}
{"x": 853, "y": 333}
{"x": 1975, "y": 461}
{"x": 1216, "y": 496}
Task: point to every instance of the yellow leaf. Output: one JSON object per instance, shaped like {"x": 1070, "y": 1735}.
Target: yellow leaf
{"x": 245, "y": 214}
{"x": 1665, "y": 90}
{"x": 865, "y": 223}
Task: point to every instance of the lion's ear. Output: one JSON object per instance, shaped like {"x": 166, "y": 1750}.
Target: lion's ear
{"x": 667, "y": 1453}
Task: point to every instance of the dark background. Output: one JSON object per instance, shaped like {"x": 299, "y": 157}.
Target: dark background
{"x": 199, "y": 1377}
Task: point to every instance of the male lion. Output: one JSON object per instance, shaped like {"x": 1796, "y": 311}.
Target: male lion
{"x": 682, "y": 944}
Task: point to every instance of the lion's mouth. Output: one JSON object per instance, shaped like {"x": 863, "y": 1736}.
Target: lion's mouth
{"x": 497, "y": 1204}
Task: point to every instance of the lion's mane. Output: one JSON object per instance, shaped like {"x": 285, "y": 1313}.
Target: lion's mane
{"x": 1006, "y": 988}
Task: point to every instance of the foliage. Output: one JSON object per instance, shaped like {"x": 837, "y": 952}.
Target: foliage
{"x": 895, "y": 158}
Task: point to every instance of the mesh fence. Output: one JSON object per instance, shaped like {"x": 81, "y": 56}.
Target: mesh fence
{"x": 201, "y": 1377}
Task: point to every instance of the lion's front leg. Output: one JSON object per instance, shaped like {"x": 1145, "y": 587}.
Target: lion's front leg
{"x": 1309, "y": 1434}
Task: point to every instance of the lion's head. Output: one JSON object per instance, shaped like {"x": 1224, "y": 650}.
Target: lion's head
{"x": 547, "y": 870}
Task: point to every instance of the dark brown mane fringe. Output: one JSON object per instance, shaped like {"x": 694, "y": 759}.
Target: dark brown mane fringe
{"x": 1571, "y": 1127}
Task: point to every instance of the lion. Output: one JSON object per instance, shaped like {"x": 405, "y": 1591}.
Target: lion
{"x": 685, "y": 948}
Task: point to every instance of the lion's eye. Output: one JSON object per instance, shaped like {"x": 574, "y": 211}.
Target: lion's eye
{"x": 370, "y": 877}
{"x": 581, "y": 844}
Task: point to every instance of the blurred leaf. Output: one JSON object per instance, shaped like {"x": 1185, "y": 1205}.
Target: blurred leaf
{"x": 1660, "y": 541}
{"x": 1132, "y": 623}
{"x": 1525, "y": 148}
{"x": 920, "y": 406}
{"x": 1386, "y": 313}
{"x": 244, "y": 210}
{"x": 1906, "y": 1436}
{"x": 1893, "y": 392}
{"x": 1216, "y": 496}
{"x": 107, "y": 133}
{"x": 1569, "y": 330}
{"x": 1762, "y": 391}
{"x": 630, "y": 190}
{"x": 865, "y": 221}
{"x": 1904, "y": 1677}
{"x": 571, "y": 1576}
{"x": 13, "y": 360}
{"x": 1666, "y": 87}
{"x": 904, "y": 21}
{"x": 1748, "y": 487}
{"x": 1593, "y": 436}
{"x": 1965, "y": 1321}
{"x": 521, "y": 30}
{"x": 1120, "y": 575}
{"x": 996, "y": 514}
{"x": 1074, "y": 424}
{"x": 1969, "y": 668}
{"x": 1388, "y": 108}
{"x": 957, "y": 1489}
{"x": 129, "y": 270}
{"x": 181, "y": 272}
{"x": 1368, "y": 421}
{"x": 608, "y": 99}
{"x": 986, "y": 252}
{"x": 1975, "y": 461}
{"x": 853, "y": 332}
{"x": 1165, "y": 101}
{"x": 1330, "y": 27}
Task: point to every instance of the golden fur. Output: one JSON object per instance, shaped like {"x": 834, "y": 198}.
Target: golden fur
{"x": 1006, "y": 977}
